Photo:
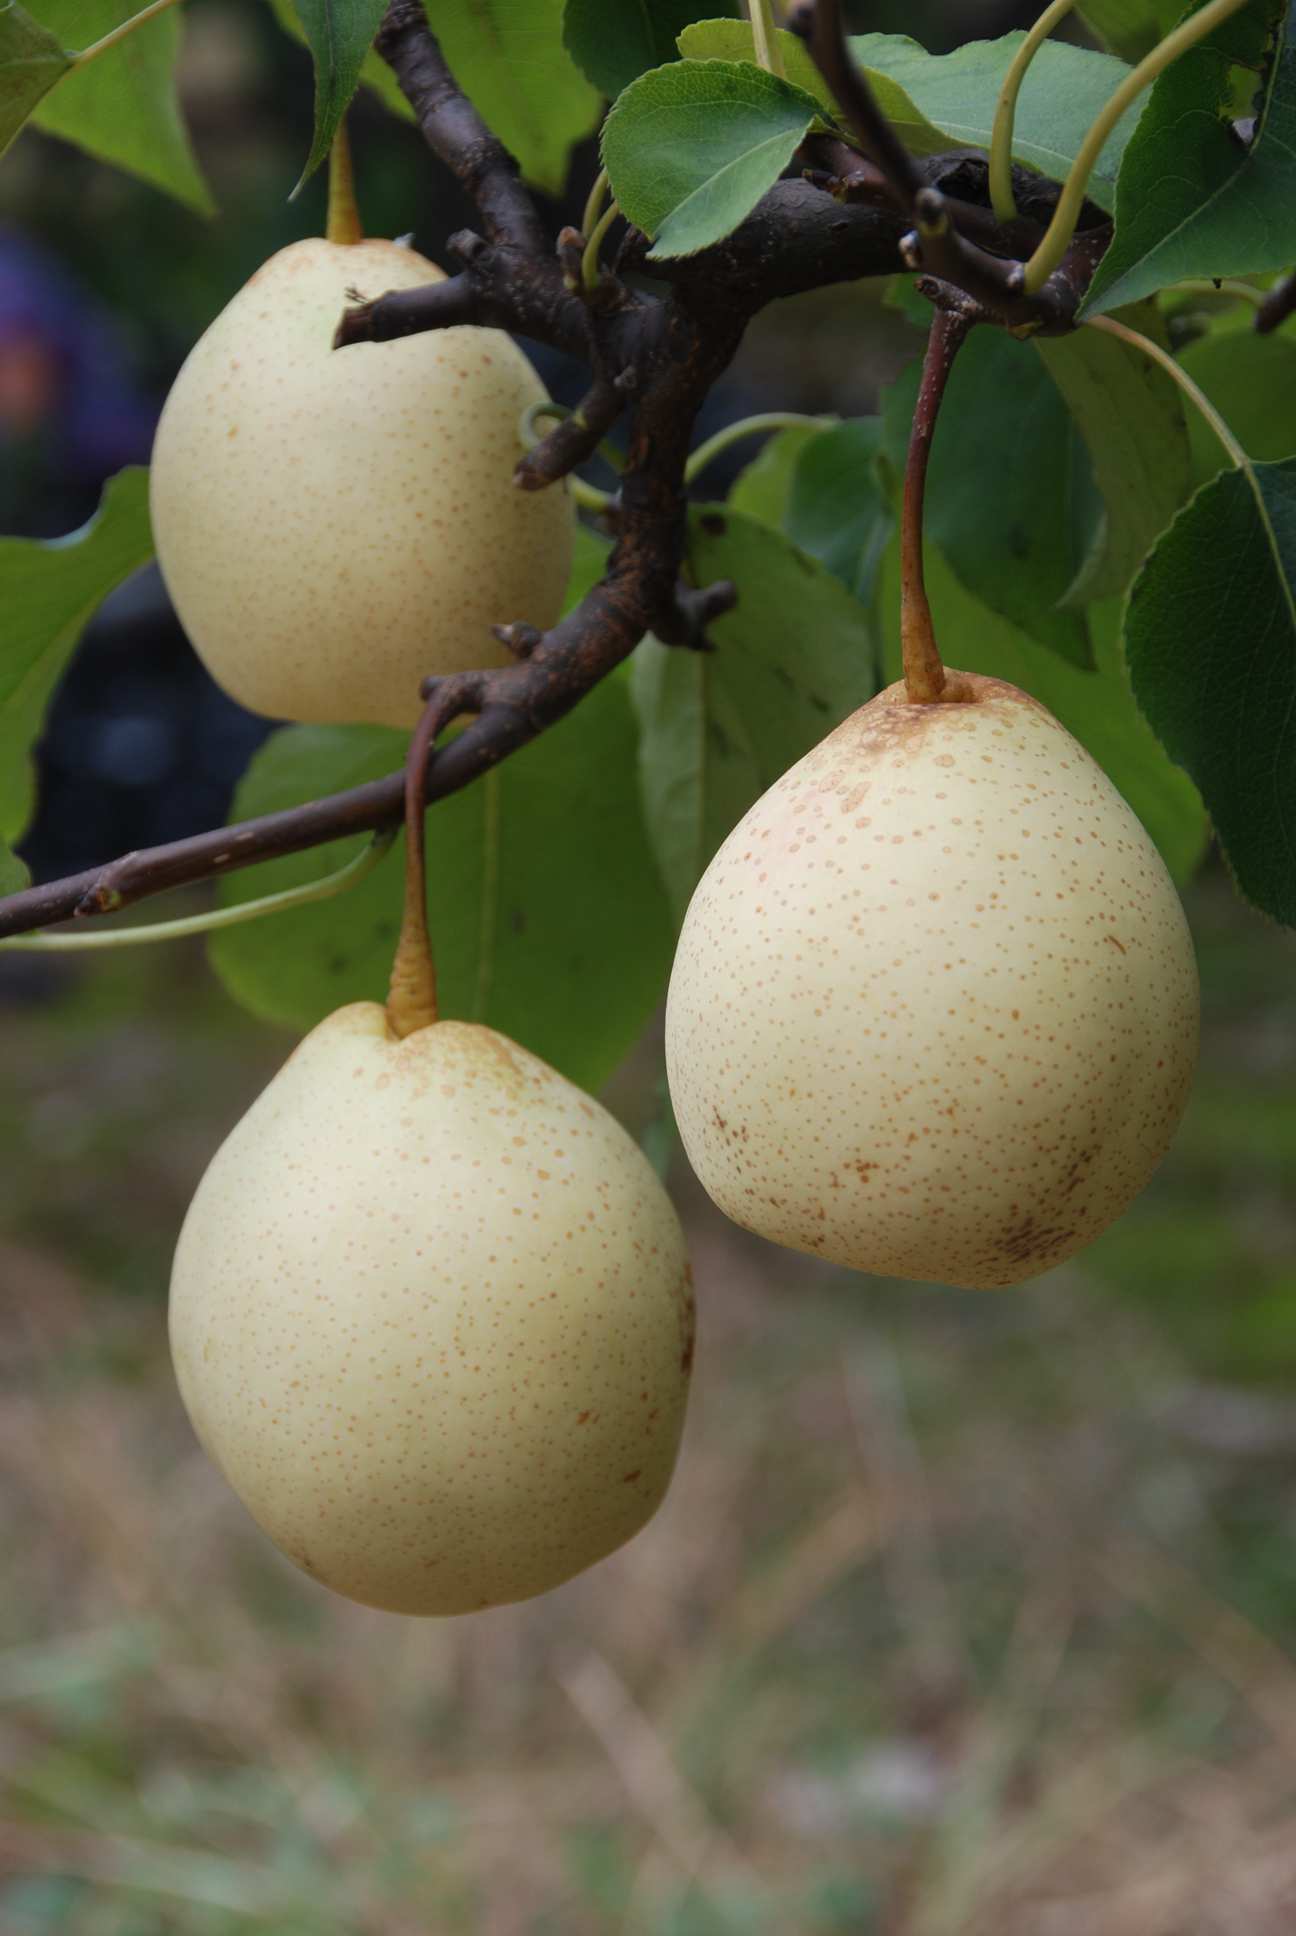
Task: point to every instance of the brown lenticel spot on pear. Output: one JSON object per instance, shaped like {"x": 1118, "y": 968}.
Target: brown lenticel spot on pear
{"x": 934, "y": 1010}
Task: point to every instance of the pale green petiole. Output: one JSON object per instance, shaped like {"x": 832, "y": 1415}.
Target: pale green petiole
{"x": 1057, "y": 238}
{"x": 1001, "y": 135}
{"x": 119, "y": 33}
{"x": 213, "y": 918}
{"x": 751, "y": 427}
{"x": 1195, "y": 394}
{"x": 769, "y": 54}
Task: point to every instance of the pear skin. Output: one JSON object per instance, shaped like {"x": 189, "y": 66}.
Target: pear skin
{"x": 431, "y": 1314}
{"x": 335, "y": 525}
{"x": 934, "y": 1010}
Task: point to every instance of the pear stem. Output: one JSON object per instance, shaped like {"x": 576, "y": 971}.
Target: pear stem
{"x": 343, "y": 221}
{"x": 412, "y": 994}
{"x": 764, "y": 26}
{"x": 924, "y": 673}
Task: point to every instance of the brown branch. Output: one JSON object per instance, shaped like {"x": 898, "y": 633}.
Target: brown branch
{"x": 574, "y": 439}
{"x": 653, "y": 358}
{"x": 454, "y": 130}
{"x": 1278, "y": 305}
{"x": 934, "y": 242}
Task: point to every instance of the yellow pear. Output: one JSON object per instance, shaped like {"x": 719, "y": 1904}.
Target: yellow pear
{"x": 432, "y": 1316}
{"x": 334, "y": 525}
{"x": 934, "y": 1008}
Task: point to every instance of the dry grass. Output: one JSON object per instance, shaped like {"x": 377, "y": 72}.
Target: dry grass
{"x": 967, "y": 1616}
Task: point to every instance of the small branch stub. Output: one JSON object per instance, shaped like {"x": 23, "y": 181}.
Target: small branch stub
{"x": 924, "y": 674}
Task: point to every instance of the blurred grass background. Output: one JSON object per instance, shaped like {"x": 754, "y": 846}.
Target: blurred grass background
{"x": 965, "y": 1613}
{"x": 966, "y": 1616}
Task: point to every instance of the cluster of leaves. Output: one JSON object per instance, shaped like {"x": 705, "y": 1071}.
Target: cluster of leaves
{"x": 1087, "y": 537}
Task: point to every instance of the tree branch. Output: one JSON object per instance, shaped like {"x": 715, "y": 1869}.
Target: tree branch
{"x": 934, "y": 241}
{"x": 653, "y": 358}
{"x": 454, "y": 130}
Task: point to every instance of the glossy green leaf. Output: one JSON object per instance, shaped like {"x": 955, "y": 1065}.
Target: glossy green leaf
{"x": 1131, "y": 416}
{"x": 1251, "y": 380}
{"x": 547, "y": 911}
{"x": 839, "y": 505}
{"x": 1211, "y": 637}
{"x": 1015, "y": 544}
{"x": 717, "y": 728}
{"x": 31, "y": 60}
{"x": 1192, "y": 199}
{"x": 691, "y": 148}
{"x": 941, "y": 100}
{"x": 1097, "y": 706}
{"x": 732, "y": 40}
{"x": 1131, "y": 28}
{"x": 122, "y": 106}
{"x": 509, "y": 58}
{"x": 48, "y": 592}
{"x": 614, "y": 41}
{"x": 339, "y": 34}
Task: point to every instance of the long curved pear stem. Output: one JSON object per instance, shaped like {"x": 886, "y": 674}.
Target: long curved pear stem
{"x": 412, "y": 993}
{"x": 342, "y": 223}
{"x": 924, "y": 674}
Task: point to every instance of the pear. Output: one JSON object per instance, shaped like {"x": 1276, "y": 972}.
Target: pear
{"x": 934, "y": 1008}
{"x": 333, "y": 526}
{"x": 431, "y": 1314}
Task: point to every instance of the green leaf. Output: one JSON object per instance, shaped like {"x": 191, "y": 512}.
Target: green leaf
{"x": 339, "y": 34}
{"x": 691, "y": 148}
{"x": 936, "y": 100}
{"x": 1014, "y": 545}
{"x": 374, "y": 73}
{"x": 122, "y": 106}
{"x": 763, "y": 488}
{"x": 1192, "y": 200}
{"x": 31, "y": 60}
{"x": 1097, "y": 706}
{"x": 48, "y": 592}
{"x": 1251, "y": 380}
{"x": 509, "y": 58}
{"x": 1131, "y": 28}
{"x": 838, "y": 506}
{"x": 1131, "y": 416}
{"x": 732, "y": 40}
{"x": 14, "y": 876}
{"x": 548, "y": 916}
{"x": 614, "y": 41}
{"x": 791, "y": 661}
{"x": 1211, "y": 637}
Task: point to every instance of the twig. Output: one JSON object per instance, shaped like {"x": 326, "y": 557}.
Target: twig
{"x": 454, "y": 130}
{"x": 1278, "y": 305}
{"x": 934, "y": 242}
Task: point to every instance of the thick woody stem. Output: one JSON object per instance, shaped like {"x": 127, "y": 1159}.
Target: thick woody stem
{"x": 454, "y": 130}
{"x": 924, "y": 673}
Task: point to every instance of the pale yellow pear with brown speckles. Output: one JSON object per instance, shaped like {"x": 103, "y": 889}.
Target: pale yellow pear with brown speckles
{"x": 431, "y": 1315}
{"x": 334, "y": 525}
{"x": 934, "y": 1008}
